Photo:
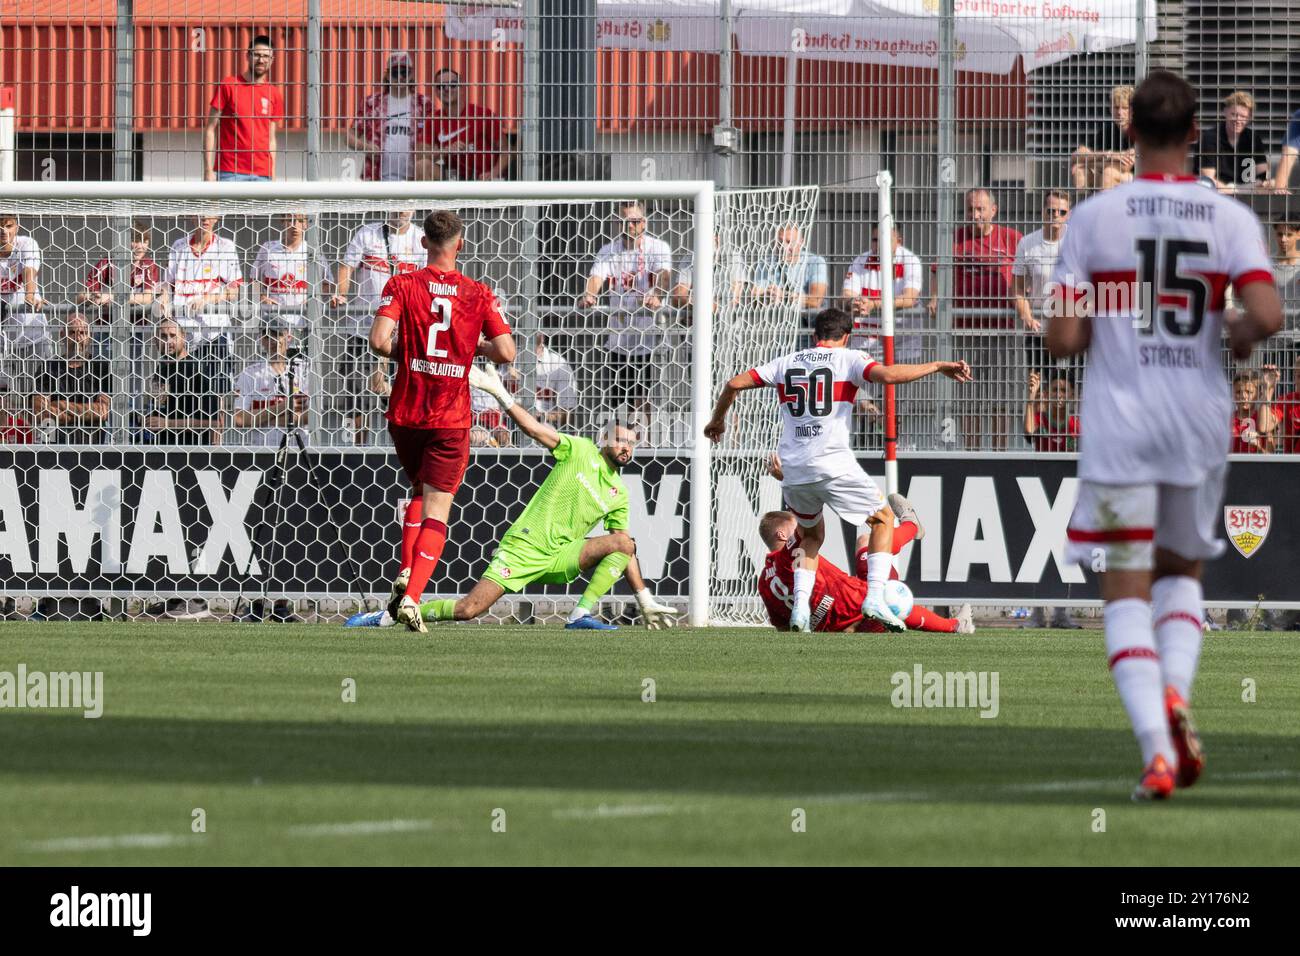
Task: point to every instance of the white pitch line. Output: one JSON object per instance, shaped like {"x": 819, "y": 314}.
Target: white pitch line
{"x": 359, "y": 828}
{"x": 606, "y": 811}
{"x": 124, "y": 841}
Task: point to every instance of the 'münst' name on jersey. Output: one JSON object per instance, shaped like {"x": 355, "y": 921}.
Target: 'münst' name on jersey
{"x": 817, "y": 389}
{"x": 1156, "y": 404}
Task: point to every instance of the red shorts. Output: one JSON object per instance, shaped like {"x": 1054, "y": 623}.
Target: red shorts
{"x": 432, "y": 456}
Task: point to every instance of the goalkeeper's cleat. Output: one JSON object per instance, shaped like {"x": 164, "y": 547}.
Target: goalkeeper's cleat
{"x": 965, "y": 620}
{"x": 399, "y": 589}
{"x": 656, "y": 615}
{"x": 877, "y": 610}
{"x": 589, "y": 623}
{"x": 370, "y": 619}
{"x": 800, "y": 619}
{"x": 408, "y": 613}
{"x": 904, "y": 511}
{"x": 1157, "y": 781}
{"x": 1191, "y": 756}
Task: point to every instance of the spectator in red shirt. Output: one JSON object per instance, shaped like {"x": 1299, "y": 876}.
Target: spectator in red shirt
{"x": 466, "y": 141}
{"x": 392, "y": 124}
{"x": 1254, "y": 424}
{"x": 145, "y": 278}
{"x": 239, "y": 140}
{"x": 983, "y": 254}
{"x": 1049, "y": 424}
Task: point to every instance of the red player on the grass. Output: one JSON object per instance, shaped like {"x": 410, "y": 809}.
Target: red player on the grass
{"x": 431, "y": 321}
{"x": 836, "y": 596}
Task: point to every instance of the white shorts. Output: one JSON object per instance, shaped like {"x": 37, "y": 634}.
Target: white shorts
{"x": 855, "y": 498}
{"x": 1118, "y": 527}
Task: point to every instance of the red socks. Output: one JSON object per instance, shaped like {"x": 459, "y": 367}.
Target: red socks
{"x": 923, "y": 619}
{"x": 411, "y": 530}
{"x": 904, "y": 533}
{"x": 428, "y": 549}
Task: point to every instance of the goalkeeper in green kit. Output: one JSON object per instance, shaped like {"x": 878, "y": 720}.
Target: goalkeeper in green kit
{"x": 548, "y": 544}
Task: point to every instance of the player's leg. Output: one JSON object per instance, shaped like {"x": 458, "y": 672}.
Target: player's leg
{"x": 654, "y": 614}
{"x": 609, "y": 556}
{"x": 806, "y": 502}
{"x": 1185, "y": 536}
{"x": 1113, "y": 526}
{"x": 412, "y": 520}
{"x": 909, "y": 528}
{"x": 480, "y": 598}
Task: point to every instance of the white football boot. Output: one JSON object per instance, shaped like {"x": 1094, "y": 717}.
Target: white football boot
{"x": 877, "y": 610}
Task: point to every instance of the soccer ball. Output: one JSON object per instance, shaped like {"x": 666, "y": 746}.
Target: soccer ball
{"x": 899, "y": 597}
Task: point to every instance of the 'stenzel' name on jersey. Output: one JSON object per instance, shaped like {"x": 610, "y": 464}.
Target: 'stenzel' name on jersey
{"x": 443, "y": 369}
{"x": 442, "y": 288}
{"x": 1149, "y": 206}
{"x": 1170, "y": 356}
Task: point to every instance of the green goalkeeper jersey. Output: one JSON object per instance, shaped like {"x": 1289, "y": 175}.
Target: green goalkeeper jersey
{"x": 581, "y": 490}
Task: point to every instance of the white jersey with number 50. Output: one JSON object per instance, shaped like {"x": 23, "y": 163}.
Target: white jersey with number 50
{"x": 1156, "y": 403}
{"x": 817, "y": 389}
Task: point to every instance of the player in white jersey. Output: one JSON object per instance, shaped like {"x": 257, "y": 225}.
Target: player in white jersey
{"x": 1156, "y": 409}
{"x": 816, "y": 389}
{"x": 285, "y": 268}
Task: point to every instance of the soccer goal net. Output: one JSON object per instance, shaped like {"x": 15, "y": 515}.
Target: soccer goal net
{"x": 193, "y": 425}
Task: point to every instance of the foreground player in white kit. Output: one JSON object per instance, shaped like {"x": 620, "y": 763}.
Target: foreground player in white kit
{"x": 1156, "y": 411}
{"x": 816, "y": 389}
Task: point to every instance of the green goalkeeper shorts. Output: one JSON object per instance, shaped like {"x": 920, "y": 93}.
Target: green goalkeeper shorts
{"x": 514, "y": 567}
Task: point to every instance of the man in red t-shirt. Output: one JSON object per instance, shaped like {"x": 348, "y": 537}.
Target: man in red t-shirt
{"x": 836, "y": 596}
{"x": 239, "y": 140}
{"x": 983, "y": 254}
{"x": 431, "y": 321}
{"x": 466, "y": 141}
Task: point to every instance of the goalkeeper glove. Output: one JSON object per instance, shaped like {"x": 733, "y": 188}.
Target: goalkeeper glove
{"x": 487, "y": 380}
{"x": 654, "y": 614}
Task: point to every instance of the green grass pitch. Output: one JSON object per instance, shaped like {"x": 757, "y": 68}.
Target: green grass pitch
{"x": 747, "y": 727}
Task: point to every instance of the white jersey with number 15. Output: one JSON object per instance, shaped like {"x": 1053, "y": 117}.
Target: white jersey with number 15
{"x": 1156, "y": 403}
{"x": 817, "y": 389}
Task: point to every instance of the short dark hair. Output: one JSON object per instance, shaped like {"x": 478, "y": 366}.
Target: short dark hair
{"x": 1060, "y": 194}
{"x": 260, "y": 40}
{"x": 832, "y": 324}
{"x": 769, "y": 523}
{"x": 1164, "y": 110}
{"x": 442, "y": 226}
{"x": 6, "y": 216}
{"x": 446, "y": 69}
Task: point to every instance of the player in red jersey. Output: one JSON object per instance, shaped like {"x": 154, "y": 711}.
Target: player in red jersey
{"x": 431, "y": 321}
{"x": 836, "y": 596}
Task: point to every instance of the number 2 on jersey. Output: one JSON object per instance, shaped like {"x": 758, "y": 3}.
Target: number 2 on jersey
{"x": 809, "y": 393}
{"x": 443, "y": 308}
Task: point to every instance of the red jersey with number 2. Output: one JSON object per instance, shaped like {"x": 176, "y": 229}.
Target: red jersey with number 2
{"x": 439, "y": 316}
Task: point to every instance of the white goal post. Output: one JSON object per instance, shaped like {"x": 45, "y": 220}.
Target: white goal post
{"x": 516, "y": 232}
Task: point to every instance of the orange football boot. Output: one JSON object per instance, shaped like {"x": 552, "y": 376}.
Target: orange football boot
{"x": 1191, "y": 758}
{"x": 1157, "y": 781}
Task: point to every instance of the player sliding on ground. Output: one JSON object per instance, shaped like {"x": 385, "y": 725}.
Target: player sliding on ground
{"x": 836, "y": 596}
{"x": 548, "y": 544}
{"x": 843, "y": 611}
{"x": 432, "y": 320}
{"x": 1157, "y": 411}
{"x": 816, "y": 389}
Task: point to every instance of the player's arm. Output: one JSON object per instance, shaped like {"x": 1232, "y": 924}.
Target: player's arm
{"x": 739, "y": 383}
{"x": 1020, "y": 299}
{"x": 210, "y": 145}
{"x": 487, "y": 380}
{"x": 1070, "y": 330}
{"x": 499, "y": 350}
{"x": 902, "y": 374}
{"x": 1261, "y": 316}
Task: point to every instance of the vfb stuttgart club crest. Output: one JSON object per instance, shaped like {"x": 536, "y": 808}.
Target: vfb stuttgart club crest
{"x": 1247, "y": 526}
